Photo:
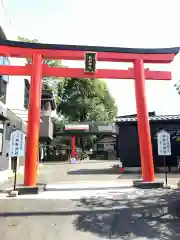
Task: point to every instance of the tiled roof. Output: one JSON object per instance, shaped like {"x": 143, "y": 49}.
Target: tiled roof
{"x": 171, "y": 50}
{"x": 21, "y": 113}
{"x": 154, "y": 118}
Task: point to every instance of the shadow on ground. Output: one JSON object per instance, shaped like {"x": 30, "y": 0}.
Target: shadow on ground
{"x": 139, "y": 214}
{"x": 94, "y": 171}
{"x": 132, "y": 217}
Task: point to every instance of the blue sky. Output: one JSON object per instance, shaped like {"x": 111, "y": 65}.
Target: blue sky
{"x": 126, "y": 23}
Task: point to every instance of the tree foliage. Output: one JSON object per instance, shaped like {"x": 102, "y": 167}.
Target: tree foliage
{"x": 48, "y": 83}
{"x": 79, "y": 99}
{"x": 87, "y": 100}
{"x": 82, "y": 100}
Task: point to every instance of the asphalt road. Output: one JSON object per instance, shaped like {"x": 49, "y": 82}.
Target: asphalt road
{"x": 134, "y": 215}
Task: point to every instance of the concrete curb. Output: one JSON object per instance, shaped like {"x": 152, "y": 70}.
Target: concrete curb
{"x": 157, "y": 170}
{"x": 80, "y": 186}
{"x": 148, "y": 185}
{"x": 170, "y": 186}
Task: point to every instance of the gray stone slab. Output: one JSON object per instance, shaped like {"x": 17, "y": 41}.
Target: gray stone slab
{"x": 141, "y": 214}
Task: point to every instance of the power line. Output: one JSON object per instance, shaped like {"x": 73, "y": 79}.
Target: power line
{"x": 5, "y": 11}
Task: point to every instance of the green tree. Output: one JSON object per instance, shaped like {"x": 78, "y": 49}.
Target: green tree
{"x": 49, "y": 83}
{"x": 87, "y": 100}
{"x": 79, "y": 99}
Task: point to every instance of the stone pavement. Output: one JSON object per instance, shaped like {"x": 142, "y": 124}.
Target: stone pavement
{"x": 92, "y": 171}
{"x": 90, "y": 201}
{"x": 134, "y": 215}
{"x": 51, "y": 173}
{"x": 87, "y": 171}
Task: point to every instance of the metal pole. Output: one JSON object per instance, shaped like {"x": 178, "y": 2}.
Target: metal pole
{"x": 165, "y": 168}
{"x": 15, "y": 173}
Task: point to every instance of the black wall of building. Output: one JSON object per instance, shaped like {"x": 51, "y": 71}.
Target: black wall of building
{"x": 128, "y": 143}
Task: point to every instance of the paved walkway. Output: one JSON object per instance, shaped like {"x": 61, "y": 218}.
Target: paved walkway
{"x": 87, "y": 172}
{"x": 52, "y": 173}
{"x": 131, "y": 215}
{"x": 91, "y": 201}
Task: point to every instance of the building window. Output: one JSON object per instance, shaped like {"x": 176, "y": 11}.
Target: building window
{"x": 26, "y": 93}
{"x": 1, "y": 143}
{"x": 3, "y": 80}
{"x": 26, "y": 98}
{"x": 1, "y": 136}
{"x": 1, "y": 60}
{"x": 100, "y": 146}
{"x": 5, "y": 61}
{"x": 3, "y": 89}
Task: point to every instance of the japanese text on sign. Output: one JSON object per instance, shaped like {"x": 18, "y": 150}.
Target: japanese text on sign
{"x": 164, "y": 143}
{"x": 17, "y": 143}
{"x": 90, "y": 62}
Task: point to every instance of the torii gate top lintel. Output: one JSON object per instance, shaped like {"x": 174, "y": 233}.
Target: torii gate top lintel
{"x": 119, "y": 54}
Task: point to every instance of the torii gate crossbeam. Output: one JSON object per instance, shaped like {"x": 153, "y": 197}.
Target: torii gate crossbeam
{"x": 37, "y": 70}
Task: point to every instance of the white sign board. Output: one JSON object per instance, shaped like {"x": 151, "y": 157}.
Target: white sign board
{"x": 107, "y": 128}
{"x": 83, "y": 127}
{"x": 164, "y": 143}
{"x": 17, "y": 143}
{"x": 109, "y": 147}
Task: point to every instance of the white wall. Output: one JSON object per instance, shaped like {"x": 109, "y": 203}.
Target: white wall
{"x": 15, "y": 87}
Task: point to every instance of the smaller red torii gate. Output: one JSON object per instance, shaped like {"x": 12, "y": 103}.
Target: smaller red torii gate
{"x": 37, "y": 52}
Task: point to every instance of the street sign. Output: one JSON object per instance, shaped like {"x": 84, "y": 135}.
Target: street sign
{"x": 17, "y": 143}
{"x": 164, "y": 143}
{"x": 164, "y": 147}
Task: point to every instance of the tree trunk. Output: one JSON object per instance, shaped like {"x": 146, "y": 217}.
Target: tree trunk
{"x": 82, "y": 143}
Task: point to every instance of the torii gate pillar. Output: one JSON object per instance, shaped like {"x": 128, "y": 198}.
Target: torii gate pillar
{"x": 32, "y": 144}
{"x": 143, "y": 123}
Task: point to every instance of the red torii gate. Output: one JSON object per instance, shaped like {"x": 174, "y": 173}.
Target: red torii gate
{"x": 37, "y": 69}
